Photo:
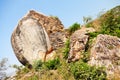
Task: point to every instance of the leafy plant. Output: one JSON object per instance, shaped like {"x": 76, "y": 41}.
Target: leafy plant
{"x": 37, "y": 65}
{"x": 110, "y": 23}
{"x": 85, "y": 56}
{"x": 64, "y": 70}
{"x": 93, "y": 34}
{"x": 17, "y": 67}
{"x": 66, "y": 49}
{"x": 74, "y": 27}
{"x": 52, "y": 64}
{"x": 82, "y": 71}
{"x": 34, "y": 77}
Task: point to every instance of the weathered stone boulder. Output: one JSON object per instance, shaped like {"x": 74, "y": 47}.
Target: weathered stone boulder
{"x": 78, "y": 41}
{"x": 53, "y": 27}
{"x": 106, "y": 52}
{"x": 31, "y": 39}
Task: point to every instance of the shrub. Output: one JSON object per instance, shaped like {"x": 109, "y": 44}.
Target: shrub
{"x": 66, "y": 49}
{"x": 64, "y": 71}
{"x": 82, "y": 71}
{"x": 74, "y": 27}
{"x": 37, "y": 65}
{"x": 21, "y": 69}
{"x": 93, "y": 34}
{"x": 85, "y": 56}
{"x": 17, "y": 67}
{"x": 110, "y": 23}
{"x": 52, "y": 64}
{"x": 25, "y": 70}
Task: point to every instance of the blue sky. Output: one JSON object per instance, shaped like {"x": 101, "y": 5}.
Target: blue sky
{"x": 68, "y": 11}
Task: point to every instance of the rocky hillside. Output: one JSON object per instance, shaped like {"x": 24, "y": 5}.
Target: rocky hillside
{"x": 50, "y": 52}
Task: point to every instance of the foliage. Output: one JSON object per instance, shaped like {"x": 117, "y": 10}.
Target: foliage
{"x": 82, "y": 71}
{"x": 52, "y": 64}
{"x": 93, "y": 34}
{"x": 110, "y": 23}
{"x": 66, "y": 49}
{"x": 64, "y": 70}
{"x": 74, "y": 27}
{"x": 21, "y": 69}
{"x": 17, "y": 67}
{"x": 37, "y": 65}
{"x": 34, "y": 77}
{"x": 85, "y": 56}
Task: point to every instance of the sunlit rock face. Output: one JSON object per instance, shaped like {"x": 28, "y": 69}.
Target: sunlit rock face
{"x": 31, "y": 39}
{"x": 78, "y": 41}
{"x": 106, "y": 52}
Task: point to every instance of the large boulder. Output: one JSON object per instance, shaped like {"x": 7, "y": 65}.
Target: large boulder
{"x": 106, "y": 52}
{"x": 31, "y": 39}
{"x": 53, "y": 27}
{"x": 78, "y": 41}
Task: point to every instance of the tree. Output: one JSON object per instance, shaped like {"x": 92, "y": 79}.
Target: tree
{"x": 3, "y": 67}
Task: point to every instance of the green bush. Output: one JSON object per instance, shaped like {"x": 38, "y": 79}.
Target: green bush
{"x": 37, "y": 65}
{"x": 93, "y": 34}
{"x": 25, "y": 70}
{"x": 74, "y": 27}
{"x": 110, "y": 23}
{"x": 66, "y": 49}
{"x": 52, "y": 64}
{"x": 82, "y": 71}
{"x": 85, "y": 56}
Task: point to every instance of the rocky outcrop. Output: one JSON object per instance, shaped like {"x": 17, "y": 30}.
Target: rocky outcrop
{"x": 58, "y": 39}
{"x": 53, "y": 27}
{"x": 33, "y": 38}
{"x": 78, "y": 41}
{"x": 106, "y": 52}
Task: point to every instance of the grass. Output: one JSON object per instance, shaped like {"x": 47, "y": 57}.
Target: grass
{"x": 73, "y": 28}
{"x": 66, "y": 49}
{"x": 82, "y": 71}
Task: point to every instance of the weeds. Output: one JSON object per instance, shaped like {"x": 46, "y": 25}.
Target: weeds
{"x": 82, "y": 71}
{"x": 74, "y": 27}
{"x": 66, "y": 49}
